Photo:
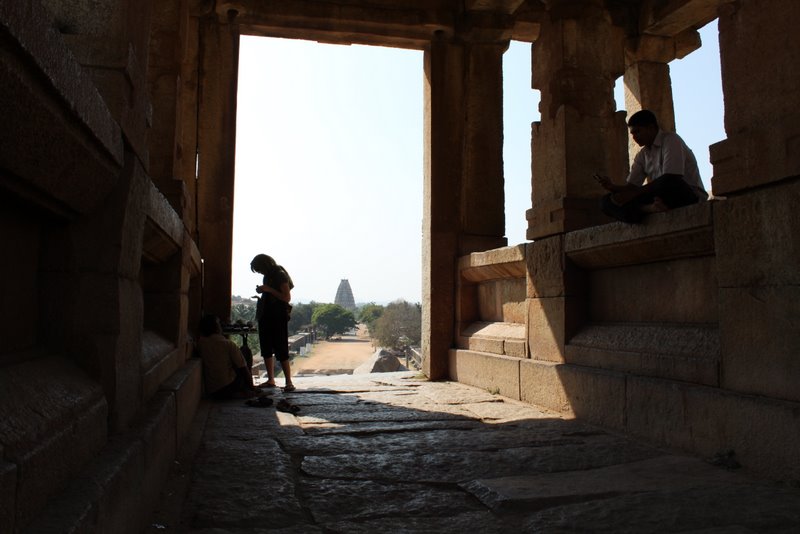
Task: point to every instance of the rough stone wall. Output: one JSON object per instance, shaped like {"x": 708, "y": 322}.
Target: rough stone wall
{"x": 104, "y": 219}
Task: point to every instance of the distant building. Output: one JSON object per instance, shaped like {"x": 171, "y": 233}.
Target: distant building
{"x": 344, "y": 296}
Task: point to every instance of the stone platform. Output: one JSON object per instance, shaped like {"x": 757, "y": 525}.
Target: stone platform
{"x": 395, "y": 453}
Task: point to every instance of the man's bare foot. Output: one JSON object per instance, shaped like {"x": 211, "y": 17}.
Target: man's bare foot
{"x": 267, "y": 385}
{"x": 657, "y": 206}
{"x": 620, "y": 198}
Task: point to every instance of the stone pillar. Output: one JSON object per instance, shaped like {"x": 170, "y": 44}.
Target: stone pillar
{"x": 444, "y": 129}
{"x": 463, "y": 195}
{"x": 482, "y": 187}
{"x": 576, "y": 61}
{"x": 761, "y": 85}
{"x": 647, "y": 80}
{"x": 216, "y": 153}
{"x": 756, "y": 229}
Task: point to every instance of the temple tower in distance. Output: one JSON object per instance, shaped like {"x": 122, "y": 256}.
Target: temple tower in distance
{"x": 344, "y": 296}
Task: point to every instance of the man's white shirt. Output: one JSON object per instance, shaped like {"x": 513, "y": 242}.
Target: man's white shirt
{"x": 668, "y": 154}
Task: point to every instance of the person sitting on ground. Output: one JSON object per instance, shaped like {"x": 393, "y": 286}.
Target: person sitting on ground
{"x": 224, "y": 370}
{"x": 664, "y": 174}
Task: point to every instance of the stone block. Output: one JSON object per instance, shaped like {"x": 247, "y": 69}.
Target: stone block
{"x": 515, "y": 348}
{"x": 675, "y": 291}
{"x": 684, "y": 232}
{"x": 763, "y": 433}
{"x": 8, "y": 486}
{"x": 689, "y": 353}
{"x": 592, "y": 395}
{"x": 120, "y": 476}
{"x": 186, "y": 385}
{"x": 484, "y": 344}
{"x": 502, "y": 300}
{"x": 160, "y": 370}
{"x": 760, "y": 343}
{"x": 758, "y": 237}
{"x": 159, "y": 436}
{"x": 53, "y": 420}
{"x": 495, "y": 373}
{"x": 550, "y": 322}
{"x": 545, "y": 267}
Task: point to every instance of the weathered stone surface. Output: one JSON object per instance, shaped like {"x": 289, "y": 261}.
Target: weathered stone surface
{"x": 244, "y": 484}
{"x": 380, "y": 362}
{"x": 465, "y": 522}
{"x": 687, "y": 352}
{"x": 8, "y": 481}
{"x": 575, "y": 391}
{"x": 496, "y": 373}
{"x": 710, "y": 509}
{"x": 762, "y": 432}
{"x": 759, "y": 327}
{"x": 415, "y": 477}
{"x": 667, "y": 473}
{"x": 483, "y": 437}
{"x": 746, "y": 226}
{"x": 461, "y": 466}
{"x": 337, "y": 500}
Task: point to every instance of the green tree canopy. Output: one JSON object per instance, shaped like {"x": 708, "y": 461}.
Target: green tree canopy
{"x": 369, "y": 313}
{"x": 333, "y": 319}
{"x": 399, "y": 325}
{"x": 301, "y": 316}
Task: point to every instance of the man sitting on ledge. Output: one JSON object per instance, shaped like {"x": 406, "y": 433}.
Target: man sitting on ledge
{"x": 666, "y": 164}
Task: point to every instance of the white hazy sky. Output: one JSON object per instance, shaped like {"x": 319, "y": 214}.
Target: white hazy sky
{"x": 329, "y": 159}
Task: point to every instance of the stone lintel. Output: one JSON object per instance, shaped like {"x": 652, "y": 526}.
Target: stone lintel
{"x": 660, "y": 49}
{"x": 411, "y": 27}
{"x": 674, "y": 16}
{"x": 501, "y": 6}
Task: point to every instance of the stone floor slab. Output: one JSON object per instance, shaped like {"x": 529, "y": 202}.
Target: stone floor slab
{"x": 395, "y": 454}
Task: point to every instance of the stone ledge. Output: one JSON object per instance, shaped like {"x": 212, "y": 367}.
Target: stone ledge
{"x": 53, "y": 421}
{"x": 689, "y": 353}
{"x": 684, "y": 232}
{"x": 506, "y": 262}
{"x": 44, "y": 89}
{"x": 493, "y": 372}
{"x": 507, "y": 339}
{"x": 117, "y": 490}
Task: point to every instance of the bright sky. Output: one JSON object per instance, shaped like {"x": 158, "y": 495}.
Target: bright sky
{"x": 329, "y": 159}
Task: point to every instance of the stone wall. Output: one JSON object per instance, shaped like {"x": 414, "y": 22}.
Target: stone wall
{"x": 116, "y": 198}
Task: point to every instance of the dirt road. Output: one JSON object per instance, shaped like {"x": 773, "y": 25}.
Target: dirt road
{"x": 335, "y": 357}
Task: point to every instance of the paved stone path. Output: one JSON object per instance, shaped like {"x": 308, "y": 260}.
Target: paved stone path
{"x": 391, "y": 453}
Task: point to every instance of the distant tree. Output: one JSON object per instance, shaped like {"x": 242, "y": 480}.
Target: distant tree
{"x": 245, "y": 311}
{"x": 301, "y": 317}
{"x": 369, "y": 313}
{"x": 399, "y": 325}
{"x": 333, "y": 319}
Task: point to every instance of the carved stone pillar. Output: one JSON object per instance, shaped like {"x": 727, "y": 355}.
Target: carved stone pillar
{"x": 576, "y": 61}
{"x": 761, "y": 84}
{"x": 482, "y": 187}
{"x": 647, "y": 80}
{"x": 216, "y": 154}
{"x": 444, "y": 131}
{"x": 463, "y": 194}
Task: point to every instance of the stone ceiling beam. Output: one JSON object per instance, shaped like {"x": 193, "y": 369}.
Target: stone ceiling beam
{"x": 668, "y": 18}
{"x": 364, "y": 23}
{"x": 501, "y": 6}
